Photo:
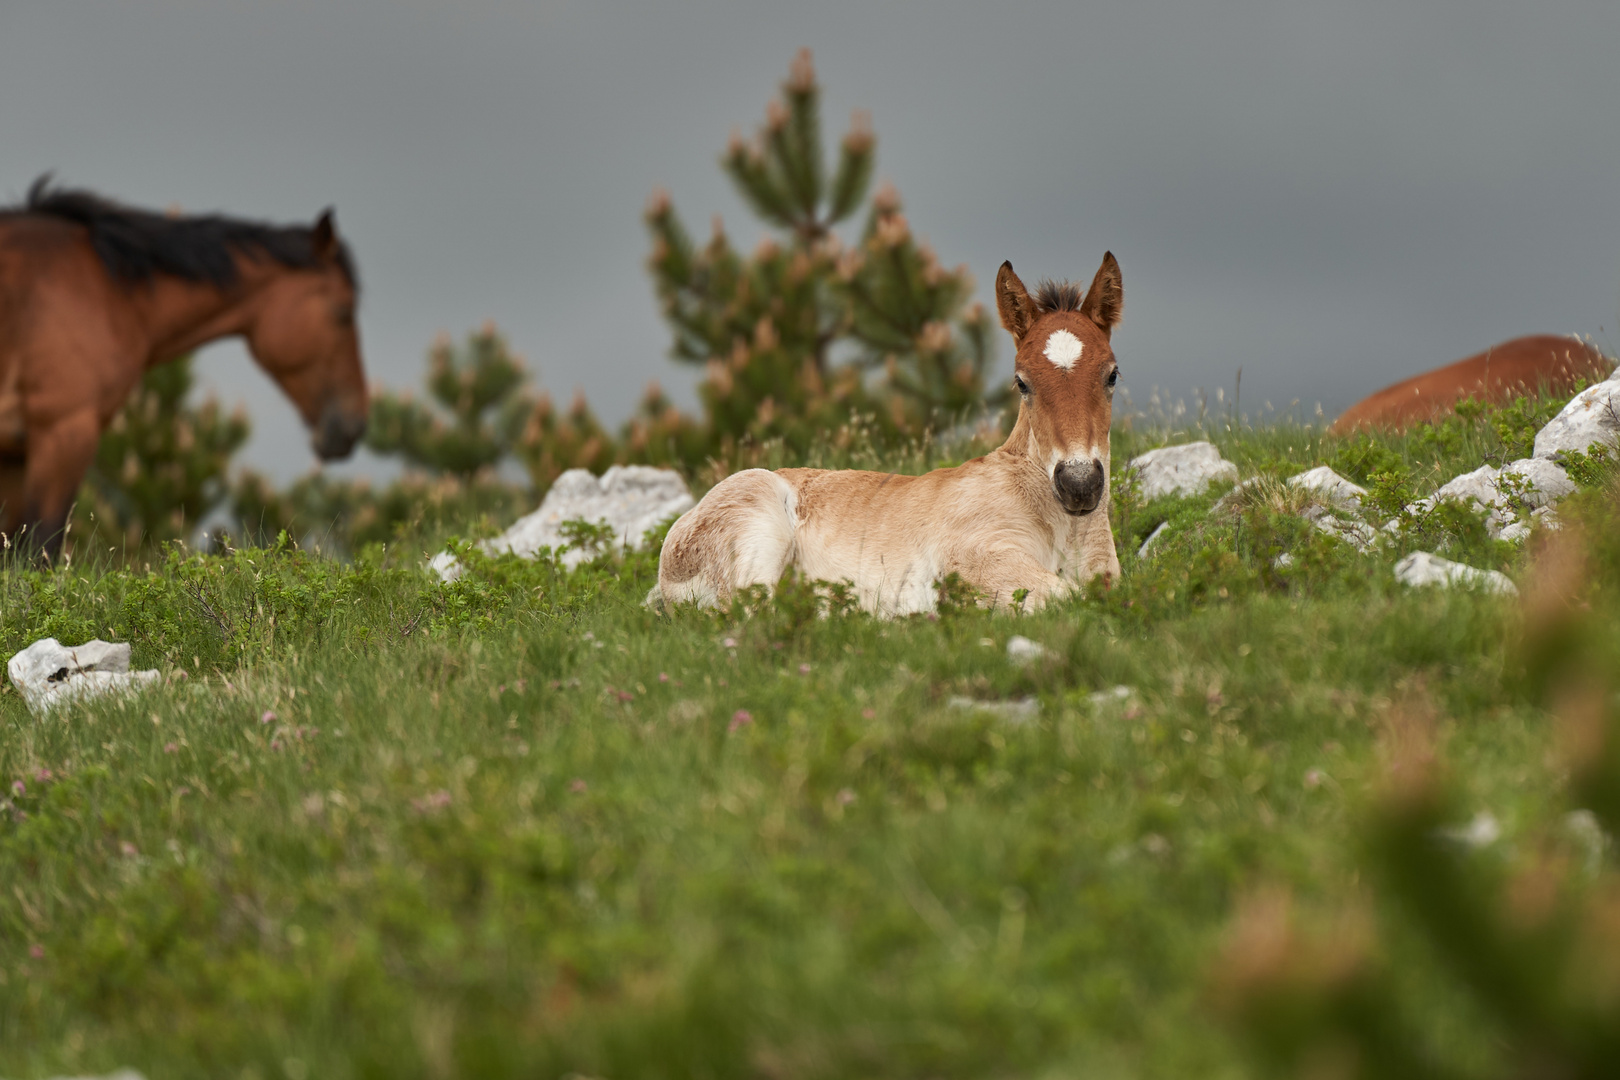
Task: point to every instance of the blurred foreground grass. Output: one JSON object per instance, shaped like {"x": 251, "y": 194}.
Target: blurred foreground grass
{"x": 522, "y": 826}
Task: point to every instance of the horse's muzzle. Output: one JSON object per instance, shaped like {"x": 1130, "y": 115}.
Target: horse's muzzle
{"x": 1078, "y": 485}
{"x": 337, "y": 433}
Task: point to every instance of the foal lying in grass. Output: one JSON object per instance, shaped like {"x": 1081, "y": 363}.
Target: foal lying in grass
{"x": 1032, "y": 515}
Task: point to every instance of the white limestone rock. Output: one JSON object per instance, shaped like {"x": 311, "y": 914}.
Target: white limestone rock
{"x": 1181, "y": 470}
{"x": 1423, "y": 568}
{"x": 1017, "y": 711}
{"x": 1330, "y": 485}
{"x": 1545, "y": 480}
{"x": 1592, "y": 416}
{"x": 1352, "y": 530}
{"x": 1477, "y": 486}
{"x": 1532, "y": 482}
{"x": 1021, "y": 650}
{"x": 1152, "y": 538}
{"x": 631, "y": 499}
{"x": 48, "y": 673}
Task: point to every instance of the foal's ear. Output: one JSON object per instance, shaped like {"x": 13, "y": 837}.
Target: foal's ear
{"x": 1017, "y": 310}
{"x": 1105, "y": 300}
{"x": 323, "y": 237}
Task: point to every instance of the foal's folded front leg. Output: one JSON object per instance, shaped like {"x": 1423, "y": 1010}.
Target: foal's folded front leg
{"x": 1010, "y": 574}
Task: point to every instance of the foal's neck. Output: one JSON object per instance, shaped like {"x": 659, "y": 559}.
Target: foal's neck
{"x": 180, "y": 315}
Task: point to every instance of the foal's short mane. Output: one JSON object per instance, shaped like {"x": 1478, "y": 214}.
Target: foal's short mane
{"x": 136, "y": 244}
{"x": 1053, "y": 296}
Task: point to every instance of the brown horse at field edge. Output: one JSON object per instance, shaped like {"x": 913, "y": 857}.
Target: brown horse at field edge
{"x": 93, "y": 293}
{"x": 1542, "y": 362}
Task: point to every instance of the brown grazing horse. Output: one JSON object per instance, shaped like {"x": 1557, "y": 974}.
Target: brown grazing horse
{"x": 1543, "y": 362}
{"x": 1028, "y": 520}
{"x": 92, "y": 293}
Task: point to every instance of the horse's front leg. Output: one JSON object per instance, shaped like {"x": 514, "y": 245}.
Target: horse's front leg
{"x": 58, "y": 456}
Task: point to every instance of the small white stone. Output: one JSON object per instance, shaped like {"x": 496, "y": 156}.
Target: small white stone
{"x": 1355, "y": 532}
{"x": 1018, "y": 711}
{"x": 1330, "y": 485}
{"x": 48, "y": 673}
{"x": 1185, "y": 469}
{"x": 1110, "y": 697}
{"x": 1424, "y": 568}
{"x": 1021, "y": 650}
{"x": 1142, "y": 552}
{"x": 1481, "y": 832}
{"x": 1283, "y": 561}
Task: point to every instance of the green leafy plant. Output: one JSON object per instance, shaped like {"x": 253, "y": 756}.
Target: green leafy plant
{"x": 477, "y": 413}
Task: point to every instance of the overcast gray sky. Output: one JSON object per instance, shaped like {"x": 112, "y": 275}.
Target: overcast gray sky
{"x": 1332, "y": 195}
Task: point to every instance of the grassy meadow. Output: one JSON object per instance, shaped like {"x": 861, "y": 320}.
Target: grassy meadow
{"x": 521, "y": 826}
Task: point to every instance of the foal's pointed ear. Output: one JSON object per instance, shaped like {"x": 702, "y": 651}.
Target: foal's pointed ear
{"x": 1017, "y": 310}
{"x": 1105, "y": 301}
{"x": 323, "y": 238}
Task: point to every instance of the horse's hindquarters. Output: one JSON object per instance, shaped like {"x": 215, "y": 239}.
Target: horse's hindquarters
{"x": 740, "y": 535}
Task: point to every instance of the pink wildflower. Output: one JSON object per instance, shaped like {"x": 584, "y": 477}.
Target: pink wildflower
{"x": 804, "y": 669}
{"x": 267, "y": 717}
{"x": 577, "y": 786}
{"x": 36, "y": 951}
{"x": 170, "y": 748}
{"x": 19, "y": 788}
{"x": 740, "y": 718}
{"x": 432, "y": 802}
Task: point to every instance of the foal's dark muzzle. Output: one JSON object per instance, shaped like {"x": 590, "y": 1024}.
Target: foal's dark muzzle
{"x": 337, "y": 433}
{"x": 1078, "y": 485}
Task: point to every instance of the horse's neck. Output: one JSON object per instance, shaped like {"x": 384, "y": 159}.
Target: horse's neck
{"x": 181, "y": 316}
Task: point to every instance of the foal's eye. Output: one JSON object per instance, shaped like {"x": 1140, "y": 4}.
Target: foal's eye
{"x": 1023, "y": 387}
{"x": 1113, "y": 377}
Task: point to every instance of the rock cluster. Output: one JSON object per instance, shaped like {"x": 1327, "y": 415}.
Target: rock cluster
{"x": 1512, "y": 498}
{"x": 48, "y": 673}
{"x": 630, "y": 499}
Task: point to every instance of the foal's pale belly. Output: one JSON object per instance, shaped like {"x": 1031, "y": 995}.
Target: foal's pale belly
{"x": 889, "y": 578}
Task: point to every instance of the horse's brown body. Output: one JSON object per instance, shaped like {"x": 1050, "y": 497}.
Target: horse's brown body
{"x": 1499, "y": 374}
{"x": 84, "y": 313}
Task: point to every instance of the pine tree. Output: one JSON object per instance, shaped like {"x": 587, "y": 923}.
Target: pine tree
{"x": 477, "y": 413}
{"x": 788, "y": 334}
{"x": 161, "y": 465}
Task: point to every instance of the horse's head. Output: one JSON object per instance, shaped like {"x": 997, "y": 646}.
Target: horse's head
{"x": 1065, "y": 374}
{"x": 304, "y": 335}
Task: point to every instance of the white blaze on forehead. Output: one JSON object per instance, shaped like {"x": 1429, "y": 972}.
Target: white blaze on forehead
{"x": 1063, "y": 349}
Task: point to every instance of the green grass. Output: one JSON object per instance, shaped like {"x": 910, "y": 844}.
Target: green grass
{"x": 522, "y": 826}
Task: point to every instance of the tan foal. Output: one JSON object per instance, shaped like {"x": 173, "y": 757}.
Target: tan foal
{"x": 1032, "y": 515}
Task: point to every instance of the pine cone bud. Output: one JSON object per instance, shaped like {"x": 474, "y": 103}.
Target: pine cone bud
{"x": 859, "y": 140}
{"x": 802, "y": 75}
{"x": 658, "y": 204}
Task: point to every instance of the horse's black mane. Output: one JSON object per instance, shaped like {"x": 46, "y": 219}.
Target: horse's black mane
{"x": 1053, "y": 296}
{"x": 136, "y": 244}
